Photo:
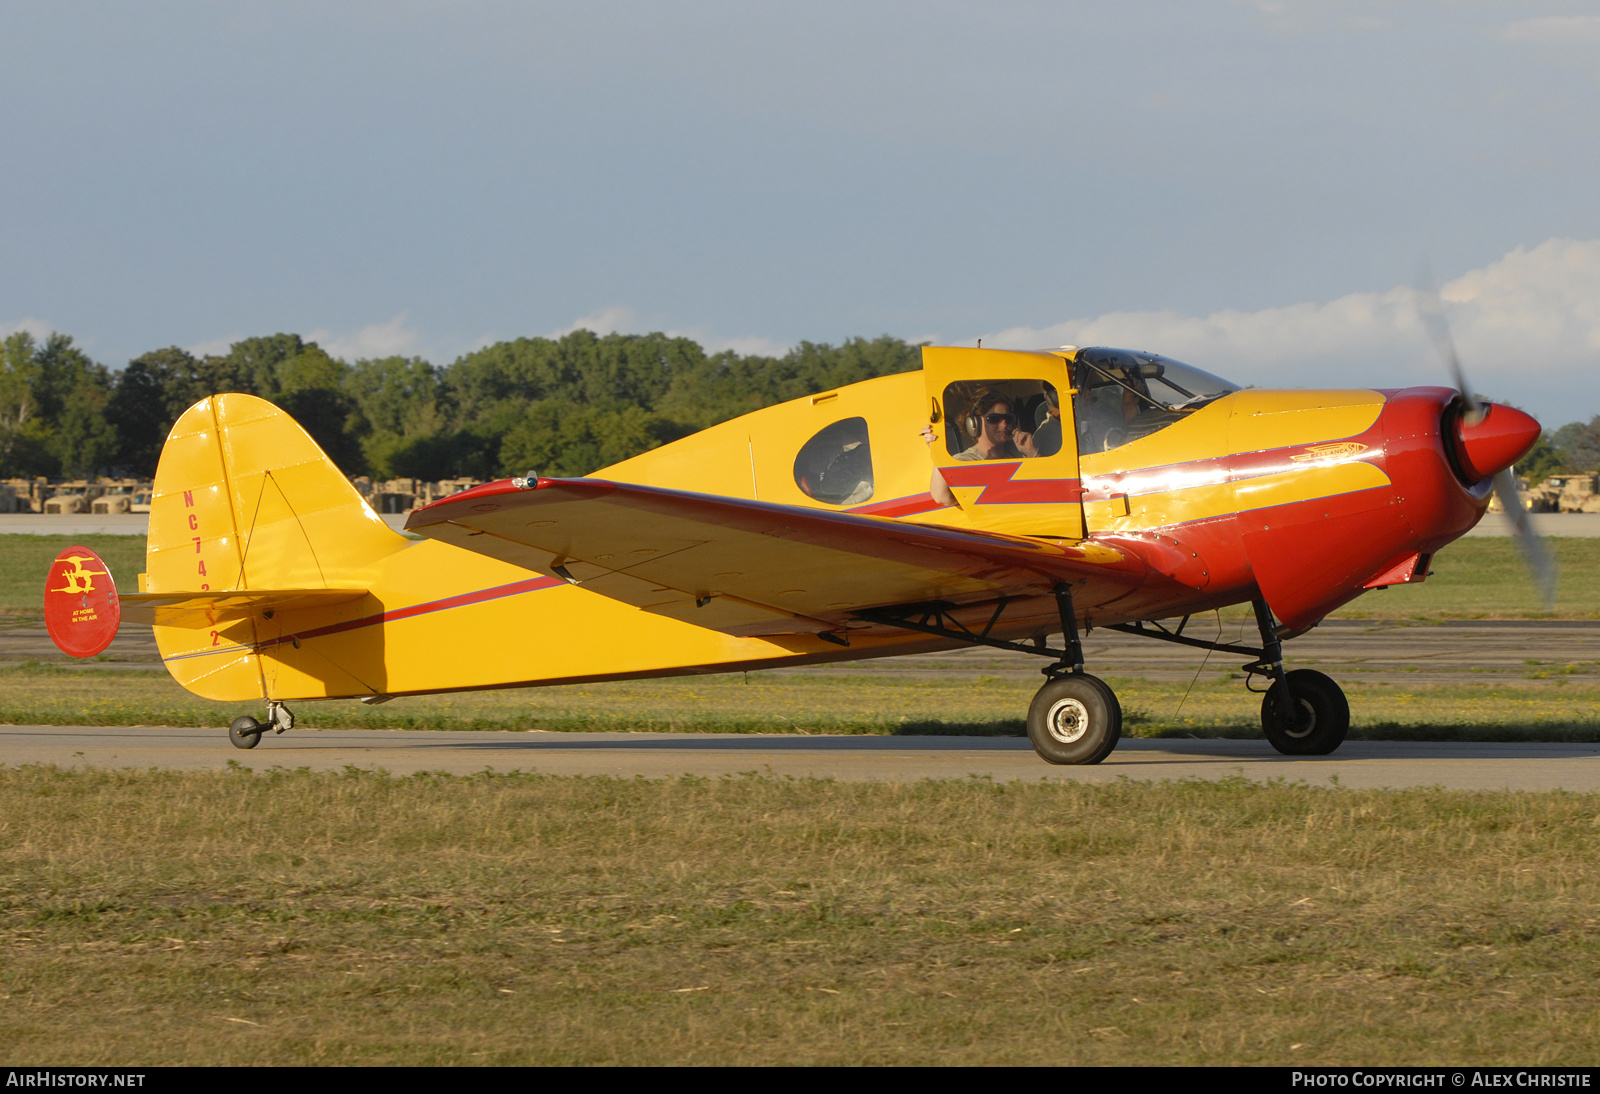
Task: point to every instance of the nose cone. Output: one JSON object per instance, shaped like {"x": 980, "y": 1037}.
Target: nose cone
{"x": 1494, "y": 442}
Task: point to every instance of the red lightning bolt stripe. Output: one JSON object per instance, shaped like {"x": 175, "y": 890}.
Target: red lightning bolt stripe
{"x": 1001, "y": 489}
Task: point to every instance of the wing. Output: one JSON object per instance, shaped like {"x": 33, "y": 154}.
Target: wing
{"x": 750, "y": 568}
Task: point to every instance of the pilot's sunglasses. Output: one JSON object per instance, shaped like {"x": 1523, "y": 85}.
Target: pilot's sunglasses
{"x": 998, "y": 419}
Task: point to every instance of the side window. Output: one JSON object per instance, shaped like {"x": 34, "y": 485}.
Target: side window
{"x": 835, "y": 466}
{"x": 1002, "y": 419}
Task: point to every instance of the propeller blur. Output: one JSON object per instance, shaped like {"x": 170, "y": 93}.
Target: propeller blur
{"x": 1488, "y": 440}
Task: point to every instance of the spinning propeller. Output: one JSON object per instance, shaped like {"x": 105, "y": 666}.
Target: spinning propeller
{"x": 1488, "y": 439}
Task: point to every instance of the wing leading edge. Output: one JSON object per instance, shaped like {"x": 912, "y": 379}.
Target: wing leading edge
{"x": 754, "y": 568}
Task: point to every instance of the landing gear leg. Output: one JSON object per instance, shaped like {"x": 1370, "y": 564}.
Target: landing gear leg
{"x": 279, "y": 716}
{"x": 246, "y": 732}
{"x": 1075, "y": 718}
{"x": 1303, "y": 713}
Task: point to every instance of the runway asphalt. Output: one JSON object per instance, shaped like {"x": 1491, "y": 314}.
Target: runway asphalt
{"x": 1357, "y": 765}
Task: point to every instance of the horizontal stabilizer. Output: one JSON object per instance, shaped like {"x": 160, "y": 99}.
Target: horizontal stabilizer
{"x": 176, "y": 609}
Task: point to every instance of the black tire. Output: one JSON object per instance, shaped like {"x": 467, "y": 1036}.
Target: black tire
{"x": 1324, "y": 710}
{"x": 245, "y": 732}
{"x": 1075, "y": 719}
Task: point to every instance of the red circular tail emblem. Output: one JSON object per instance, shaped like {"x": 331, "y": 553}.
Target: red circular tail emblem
{"x": 80, "y": 603}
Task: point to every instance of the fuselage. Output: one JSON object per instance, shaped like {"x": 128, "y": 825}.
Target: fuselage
{"x": 1307, "y": 491}
{"x": 1304, "y": 497}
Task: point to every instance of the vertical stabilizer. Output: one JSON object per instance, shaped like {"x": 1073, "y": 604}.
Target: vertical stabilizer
{"x": 244, "y": 500}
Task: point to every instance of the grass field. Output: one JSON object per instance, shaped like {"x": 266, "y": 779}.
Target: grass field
{"x": 1478, "y": 578}
{"x": 1485, "y": 578}
{"x": 1543, "y": 705}
{"x": 155, "y": 918}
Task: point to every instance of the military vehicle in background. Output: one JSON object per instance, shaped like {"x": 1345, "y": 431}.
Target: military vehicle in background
{"x": 29, "y": 495}
{"x": 108, "y": 496}
{"x": 1578, "y": 493}
{"x": 404, "y": 495}
{"x": 73, "y": 496}
{"x": 1564, "y": 493}
{"x": 119, "y": 495}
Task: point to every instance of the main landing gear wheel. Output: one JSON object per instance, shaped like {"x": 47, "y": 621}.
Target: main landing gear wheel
{"x": 1075, "y": 719}
{"x": 1319, "y": 724}
{"x": 245, "y": 732}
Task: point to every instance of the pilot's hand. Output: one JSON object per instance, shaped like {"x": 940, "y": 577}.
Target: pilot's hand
{"x": 928, "y": 434}
{"x": 1024, "y": 443}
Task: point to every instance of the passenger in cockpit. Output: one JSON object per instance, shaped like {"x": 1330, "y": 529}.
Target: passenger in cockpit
{"x": 995, "y": 423}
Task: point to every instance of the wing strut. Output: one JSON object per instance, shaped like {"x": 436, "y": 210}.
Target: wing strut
{"x": 935, "y": 617}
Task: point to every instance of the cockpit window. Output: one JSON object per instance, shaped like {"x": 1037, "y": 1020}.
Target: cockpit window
{"x": 835, "y": 466}
{"x": 1002, "y": 419}
{"x": 1122, "y": 395}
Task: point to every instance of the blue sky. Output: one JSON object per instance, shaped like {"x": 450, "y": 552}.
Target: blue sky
{"x": 1242, "y": 184}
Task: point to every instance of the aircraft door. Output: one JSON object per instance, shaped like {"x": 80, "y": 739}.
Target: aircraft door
{"x": 1004, "y": 438}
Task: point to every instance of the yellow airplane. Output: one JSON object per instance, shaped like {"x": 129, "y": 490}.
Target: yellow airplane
{"x": 996, "y": 498}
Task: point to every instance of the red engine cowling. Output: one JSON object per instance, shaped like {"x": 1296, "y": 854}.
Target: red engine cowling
{"x": 1311, "y": 557}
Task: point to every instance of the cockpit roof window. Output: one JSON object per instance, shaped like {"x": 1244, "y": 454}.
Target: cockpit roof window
{"x": 1160, "y": 381}
{"x": 1123, "y": 395}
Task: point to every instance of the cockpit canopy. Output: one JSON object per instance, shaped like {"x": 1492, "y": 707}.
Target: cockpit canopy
{"x": 1123, "y": 395}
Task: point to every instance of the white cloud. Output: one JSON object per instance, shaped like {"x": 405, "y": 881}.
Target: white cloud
{"x": 619, "y": 319}
{"x": 612, "y": 320}
{"x": 217, "y": 347}
{"x": 36, "y": 327}
{"x": 391, "y": 339}
{"x": 1312, "y": 16}
{"x": 1526, "y": 326}
{"x": 753, "y": 346}
{"x": 1555, "y": 28}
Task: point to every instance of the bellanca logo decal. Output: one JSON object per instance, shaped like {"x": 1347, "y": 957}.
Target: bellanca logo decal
{"x": 1339, "y": 450}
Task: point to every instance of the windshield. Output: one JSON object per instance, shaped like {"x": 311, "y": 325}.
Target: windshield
{"x": 1122, "y": 395}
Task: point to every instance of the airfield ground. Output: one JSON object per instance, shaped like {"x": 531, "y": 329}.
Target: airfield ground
{"x": 1257, "y": 914}
{"x": 151, "y": 917}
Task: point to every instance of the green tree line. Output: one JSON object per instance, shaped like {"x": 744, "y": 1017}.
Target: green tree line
{"x": 563, "y": 406}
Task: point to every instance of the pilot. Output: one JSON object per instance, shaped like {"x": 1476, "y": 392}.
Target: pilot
{"x": 1109, "y": 415}
{"x": 1046, "y": 440}
{"x": 998, "y": 437}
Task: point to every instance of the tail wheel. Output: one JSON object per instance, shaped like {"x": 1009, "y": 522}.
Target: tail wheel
{"x": 245, "y": 732}
{"x": 1075, "y": 719}
{"x": 1320, "y": 722}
